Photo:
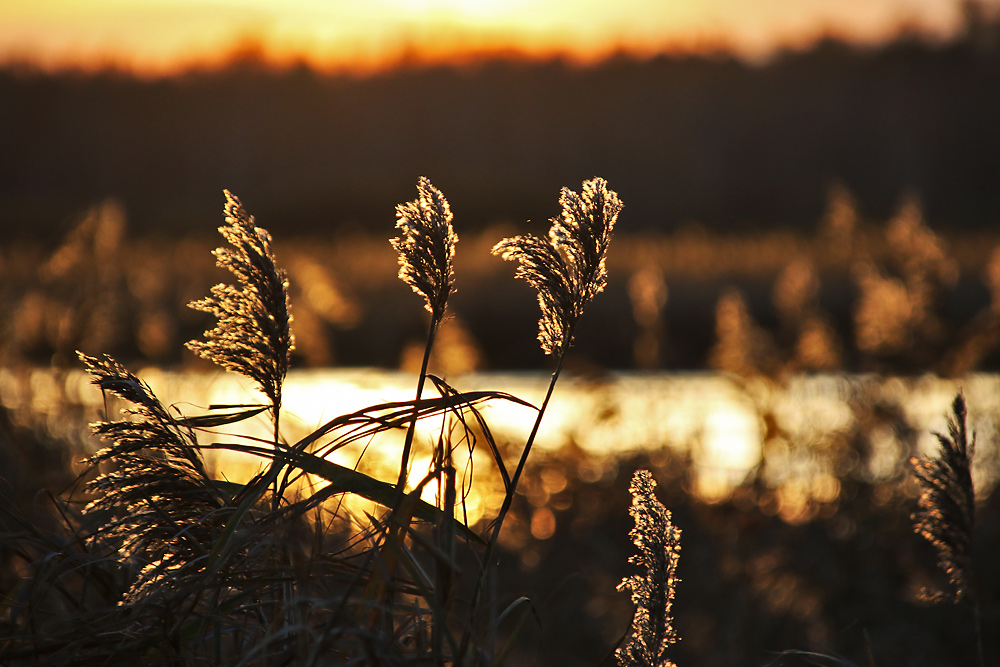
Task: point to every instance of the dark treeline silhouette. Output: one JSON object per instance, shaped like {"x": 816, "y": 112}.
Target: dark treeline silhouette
{"x": 708, "y": 139}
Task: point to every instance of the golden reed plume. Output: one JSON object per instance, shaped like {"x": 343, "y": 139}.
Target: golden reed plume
{"x": 658, "y": 543}
{"x": 567, "y": 268}
{"x": 253, "y": 336}
{"x": 426, "y": 246}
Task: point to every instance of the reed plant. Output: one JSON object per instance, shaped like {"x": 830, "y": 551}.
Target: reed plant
{"x": 194, "y": 567}
{"x": 165, "y": 559}
{"x": 658, "y": 545}
{"x": 946, "y": 513}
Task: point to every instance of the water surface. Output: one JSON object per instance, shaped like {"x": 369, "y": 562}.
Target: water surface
{"x": 726, "y": 426}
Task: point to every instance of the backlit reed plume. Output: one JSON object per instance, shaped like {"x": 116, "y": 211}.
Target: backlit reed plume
{"x": 253, "y": 336}
{"x": 426, "y": 246}
{"x": 658, "y": 543}
{"x": 946, "y": 514}
{"x": 568, "y": 270}
{"x": 568, "y": 267}
{"x": 155, "y": 501}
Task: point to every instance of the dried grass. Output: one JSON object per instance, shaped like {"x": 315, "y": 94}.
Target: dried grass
{"x": 193, "y": 568}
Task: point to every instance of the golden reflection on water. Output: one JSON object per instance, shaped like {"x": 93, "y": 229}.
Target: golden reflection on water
{"x": 726, "y": 427}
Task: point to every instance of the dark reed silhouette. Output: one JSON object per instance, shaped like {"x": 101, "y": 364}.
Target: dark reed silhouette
{"x": 946, "y": 514}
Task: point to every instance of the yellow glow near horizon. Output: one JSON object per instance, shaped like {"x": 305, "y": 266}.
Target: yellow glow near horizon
{"x": 167, "y": 34}
{"x": 469, "y": 9}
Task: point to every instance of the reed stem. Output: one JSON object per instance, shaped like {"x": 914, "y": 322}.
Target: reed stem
{"x": 509, "y": 496}
{"x": 411, "y": 429}
{"x": 277, "y": 462}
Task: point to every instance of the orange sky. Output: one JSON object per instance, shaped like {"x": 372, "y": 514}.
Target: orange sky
{"x": 160, "y": 35}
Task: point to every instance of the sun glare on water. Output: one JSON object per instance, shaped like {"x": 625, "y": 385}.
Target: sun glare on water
{"x": 711, "y": 421}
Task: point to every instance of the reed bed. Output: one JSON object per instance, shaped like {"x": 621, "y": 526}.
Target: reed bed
{"x": 194, "y": 567}
{"x": 153, "y": 557}
{"x": 853, "y": 294}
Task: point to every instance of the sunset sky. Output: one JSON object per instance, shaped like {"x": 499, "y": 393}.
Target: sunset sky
{"x": 160, "y": 35}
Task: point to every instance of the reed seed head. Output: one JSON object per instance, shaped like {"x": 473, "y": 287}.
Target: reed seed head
{"x": 567, "y": 268}
{"x": 253, "y": 336}
{"x": 153, "y": 504}
{"x": 426, "y": 246}
{"x": 658, "y": 546}
{"x": 148, "y": 426}
{"x": 946, "y": 508}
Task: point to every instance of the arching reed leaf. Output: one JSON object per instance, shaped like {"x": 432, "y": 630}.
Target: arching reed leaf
{"x": 348, "y": 480}
{"x": 211, "y": 421}
{"x": 446, "y": 389}
{"x": 381, "y": 417}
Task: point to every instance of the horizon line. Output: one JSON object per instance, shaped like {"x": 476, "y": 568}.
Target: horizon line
{"x": 254, "y": 49}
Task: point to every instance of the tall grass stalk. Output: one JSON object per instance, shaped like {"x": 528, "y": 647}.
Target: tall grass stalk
{"x": 253, "y": 335}
{"x": 567, "y": 269}
{"x": 426, "y": 248}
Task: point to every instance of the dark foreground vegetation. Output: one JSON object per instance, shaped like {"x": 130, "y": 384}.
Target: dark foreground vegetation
{"x": 754, "y": 587}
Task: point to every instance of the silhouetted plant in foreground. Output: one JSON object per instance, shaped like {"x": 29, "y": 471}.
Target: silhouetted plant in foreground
{"x": 426, "y": 248}
{"x": 279, "y": 568}
{"x": 253, "y": 336}
{"x": 568, "y": 270}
